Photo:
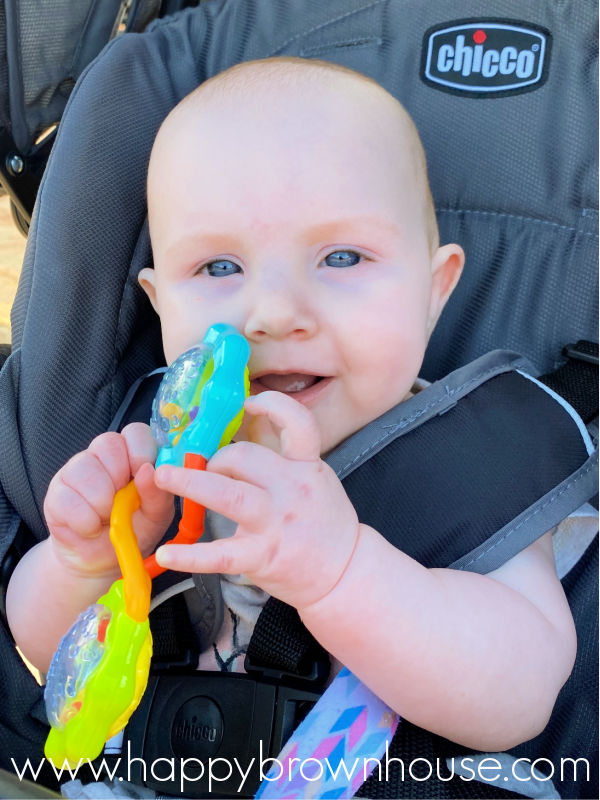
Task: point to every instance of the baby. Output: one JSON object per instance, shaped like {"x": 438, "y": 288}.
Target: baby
{"x": 289, "y": 198}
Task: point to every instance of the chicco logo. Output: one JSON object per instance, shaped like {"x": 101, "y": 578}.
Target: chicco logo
{"x": 193, "y": 731}
{"x": 197, "y": 728}
{"x": 485, "y": 58}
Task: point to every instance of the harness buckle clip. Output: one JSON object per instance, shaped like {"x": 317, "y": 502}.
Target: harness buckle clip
{"x": 314, "y": 671}
{"x": 195, "y": 720}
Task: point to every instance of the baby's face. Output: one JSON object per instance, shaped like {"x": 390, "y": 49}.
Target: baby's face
{"x": 306, "y": 233}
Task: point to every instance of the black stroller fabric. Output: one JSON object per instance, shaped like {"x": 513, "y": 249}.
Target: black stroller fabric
{"x": 514, "y": 178}
{"x": 47, "y": 46}
{"x": 44, "y": 47}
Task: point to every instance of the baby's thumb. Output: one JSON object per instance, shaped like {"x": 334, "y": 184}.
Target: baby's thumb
{"x": 156, "y": 505}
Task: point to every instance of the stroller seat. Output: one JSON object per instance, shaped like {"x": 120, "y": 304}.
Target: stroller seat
{"x": 513, "y": 171}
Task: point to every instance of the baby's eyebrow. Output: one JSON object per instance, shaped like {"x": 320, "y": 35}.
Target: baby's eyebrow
{"x": 211, "y": 241}
{"x": 353, "y": 226}
{"x": 342, "y": 230}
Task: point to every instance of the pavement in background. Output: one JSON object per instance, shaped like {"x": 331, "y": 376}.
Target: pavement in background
{"x": 12, "y": 249}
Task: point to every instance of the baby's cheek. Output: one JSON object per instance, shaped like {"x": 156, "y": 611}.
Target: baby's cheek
{"x": 182, "y": 322}
{"x": 390, "y": 383}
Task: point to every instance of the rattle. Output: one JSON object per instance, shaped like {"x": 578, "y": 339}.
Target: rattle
{"x": 100, "y": 670}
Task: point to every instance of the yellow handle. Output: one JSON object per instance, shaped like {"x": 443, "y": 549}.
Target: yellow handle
{"x": 137, "y": 585}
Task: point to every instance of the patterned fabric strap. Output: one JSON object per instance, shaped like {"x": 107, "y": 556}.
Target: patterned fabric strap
{"x": 335, "y": 748}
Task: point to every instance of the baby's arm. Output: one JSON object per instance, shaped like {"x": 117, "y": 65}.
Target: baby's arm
{"x": 477, "y": 659}
{"x": 62, "y": 575}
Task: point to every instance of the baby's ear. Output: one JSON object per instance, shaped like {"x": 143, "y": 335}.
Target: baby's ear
{"x": 446, "y": 268}
{"x": 146, "y": 279}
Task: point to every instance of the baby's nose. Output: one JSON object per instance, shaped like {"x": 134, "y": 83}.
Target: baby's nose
{"x": 279, "y": 311}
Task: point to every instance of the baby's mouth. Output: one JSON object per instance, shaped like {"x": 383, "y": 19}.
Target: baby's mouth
{"x": 290, "y": 383}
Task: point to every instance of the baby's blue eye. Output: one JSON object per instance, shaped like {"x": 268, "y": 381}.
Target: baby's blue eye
{"x": 221, "y": 268}
{"x": 342, "y": 258}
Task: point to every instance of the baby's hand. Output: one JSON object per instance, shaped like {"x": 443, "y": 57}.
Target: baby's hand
{"x": 297, "y": 529}
{"x": 80, "y": 498}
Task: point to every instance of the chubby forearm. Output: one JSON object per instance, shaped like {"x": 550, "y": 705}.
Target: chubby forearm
{"x": 43, "y": 600}
{"x": 457, "y": 653}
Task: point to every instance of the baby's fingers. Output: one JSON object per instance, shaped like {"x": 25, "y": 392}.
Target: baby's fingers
{"x": 240, "y": 501}
{"x": 229, "y": 556}
{"x": 141, "y": 445}
{"x": 155, "y": 504}
{"x": 110, "y": 449}
{"x": 300, "y": 438}
{"x": 86, "y": 474}
{"x": 65, "y": 509}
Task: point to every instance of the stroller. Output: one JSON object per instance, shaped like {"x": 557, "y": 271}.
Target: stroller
{"x": 44, "y": 48}
{"x": 513, "y": 176}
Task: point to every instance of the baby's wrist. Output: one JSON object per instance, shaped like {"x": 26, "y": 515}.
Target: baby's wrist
{"x": 343, "y": 592}
{"x": 67, "y": 562}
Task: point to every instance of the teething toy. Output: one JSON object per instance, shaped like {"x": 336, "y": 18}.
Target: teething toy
{"x": 100, "y": 669}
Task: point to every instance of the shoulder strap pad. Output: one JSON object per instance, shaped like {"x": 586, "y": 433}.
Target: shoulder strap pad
{"x": 473, "y": 469}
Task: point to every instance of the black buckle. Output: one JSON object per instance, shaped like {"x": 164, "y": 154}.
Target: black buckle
{"x": 576, "y": 352}
{"x": 315, "y": 673}
{"x": 185, "y": 721}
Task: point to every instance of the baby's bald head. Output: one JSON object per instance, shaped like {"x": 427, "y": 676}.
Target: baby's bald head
{"x": 303, "y": 105}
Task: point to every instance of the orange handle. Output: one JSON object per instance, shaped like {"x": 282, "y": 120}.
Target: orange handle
{"x": 191, "y": 525}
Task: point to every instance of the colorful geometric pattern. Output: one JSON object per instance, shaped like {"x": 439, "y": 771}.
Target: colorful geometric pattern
{"x": 335, "y": 748}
